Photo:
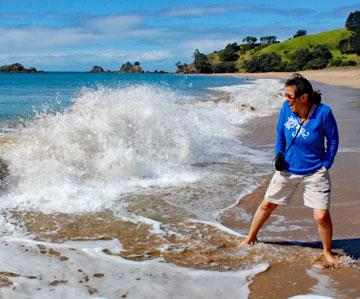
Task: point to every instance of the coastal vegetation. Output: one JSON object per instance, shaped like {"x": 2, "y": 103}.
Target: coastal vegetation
{"x": 339, "y": 47}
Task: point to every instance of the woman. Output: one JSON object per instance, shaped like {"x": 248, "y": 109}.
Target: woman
{"x": 303, "y": 125}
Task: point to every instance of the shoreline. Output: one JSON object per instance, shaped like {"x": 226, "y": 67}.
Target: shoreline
{"x": 207, "y": 247}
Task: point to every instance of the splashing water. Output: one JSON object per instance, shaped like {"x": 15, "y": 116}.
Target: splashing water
{"x": 115, "y": 141}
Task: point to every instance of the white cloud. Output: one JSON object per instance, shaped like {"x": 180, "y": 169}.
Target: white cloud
{"x": 113, "y": 23}
{"x": 24, "y": 38}
{"x": 89, "y": 32}
{"x": 202, "y": 10}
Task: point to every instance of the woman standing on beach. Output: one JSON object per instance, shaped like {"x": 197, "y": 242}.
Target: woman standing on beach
{"x": 303, "y": 125}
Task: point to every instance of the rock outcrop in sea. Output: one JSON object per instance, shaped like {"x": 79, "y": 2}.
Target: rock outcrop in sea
{"x": 131, "y": 68}
{"x": 97, "y": 69}
{"x": 18, "y": 68}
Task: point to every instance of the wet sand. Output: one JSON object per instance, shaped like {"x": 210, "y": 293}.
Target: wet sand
{"x": 294, "y": 226}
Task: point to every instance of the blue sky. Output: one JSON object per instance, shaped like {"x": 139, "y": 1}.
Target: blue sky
{"x": 75, "y": 35}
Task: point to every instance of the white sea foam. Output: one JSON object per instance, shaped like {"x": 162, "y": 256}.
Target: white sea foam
{"x": 116, "y": 141}
{"x": 262, "y": 94}
{"x": 109, "y": 142}
{"x": 324, "y": 284}
{"x": 147, "y": 279}
{"x": 218, "y": 226}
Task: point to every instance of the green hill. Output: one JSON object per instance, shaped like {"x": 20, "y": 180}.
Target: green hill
{"x": 331, "y": 39}
{"x": 286, "y": 49}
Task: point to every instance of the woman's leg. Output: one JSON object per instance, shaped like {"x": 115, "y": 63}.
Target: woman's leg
{"x": 262, "y": 214}
{"x": 280, "y": 190}
{"x": 324, "y": 224}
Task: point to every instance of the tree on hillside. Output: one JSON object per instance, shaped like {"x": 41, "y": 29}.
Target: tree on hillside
{"x": 353, "y": 21}
{"x": 301, "y": 58}
{"x": 230, "y": 52}
{"x": 322, "y": 51}
{"x": 300, "y": 33}
{"x": 225, "y": 67}
{"x": 321, "y": 57}
{"x": 180, "y": 68}
{"x": 201, "y": 62}
{"x": 347, "y": 45}
{"x": 250, "y": 40}
{"x": 353, "y": 24}
{"x": 264, "y": 63}
{"x": 316, "y": 59}
{"x": 268, "y": 40}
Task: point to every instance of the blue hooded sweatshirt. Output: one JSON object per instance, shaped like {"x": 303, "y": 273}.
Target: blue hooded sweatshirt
{"x": 308, "y": 152}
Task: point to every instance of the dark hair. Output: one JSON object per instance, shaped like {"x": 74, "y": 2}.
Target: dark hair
{"x": 303, "y": 86}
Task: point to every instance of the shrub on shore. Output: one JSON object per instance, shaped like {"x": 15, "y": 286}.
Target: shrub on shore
{"x": 304, "y": 59}
{"x": 342, "y": 62}
{"x": 225, "y": 67}
{"x": 264, "y": 63}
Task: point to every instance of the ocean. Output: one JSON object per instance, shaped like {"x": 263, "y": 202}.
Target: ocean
{"x": 131, "y": 171}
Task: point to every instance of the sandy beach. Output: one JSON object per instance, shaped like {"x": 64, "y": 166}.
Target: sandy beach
{"x": 297, "y": 226}
{"x": 349, "y": 76}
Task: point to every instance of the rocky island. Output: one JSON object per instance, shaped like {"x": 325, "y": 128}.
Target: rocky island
{"x": 97, "y": 69}
{"x": 127, "y": 67}
{"x": 131, "y": 68}
{"x": 17, "y": 68}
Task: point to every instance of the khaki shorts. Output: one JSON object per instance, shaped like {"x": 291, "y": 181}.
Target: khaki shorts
{"x": 317, "y": 187}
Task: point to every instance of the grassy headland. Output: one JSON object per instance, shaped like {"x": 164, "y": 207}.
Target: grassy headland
{"x": 334, "y": 48}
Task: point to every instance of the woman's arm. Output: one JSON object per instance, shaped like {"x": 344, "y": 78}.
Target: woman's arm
{"x": 332, "y": 139}
{"x": 280, "y": 142}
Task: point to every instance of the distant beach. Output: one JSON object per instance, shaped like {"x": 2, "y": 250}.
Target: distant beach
{"x": 335, "y": 76}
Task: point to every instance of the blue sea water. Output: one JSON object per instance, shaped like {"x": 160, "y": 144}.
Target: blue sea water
{"x": 22, "y": 95}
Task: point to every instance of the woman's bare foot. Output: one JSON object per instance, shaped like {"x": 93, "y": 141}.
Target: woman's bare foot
{"x": 248, "y": 241}
{"x": 330, "y": 259}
